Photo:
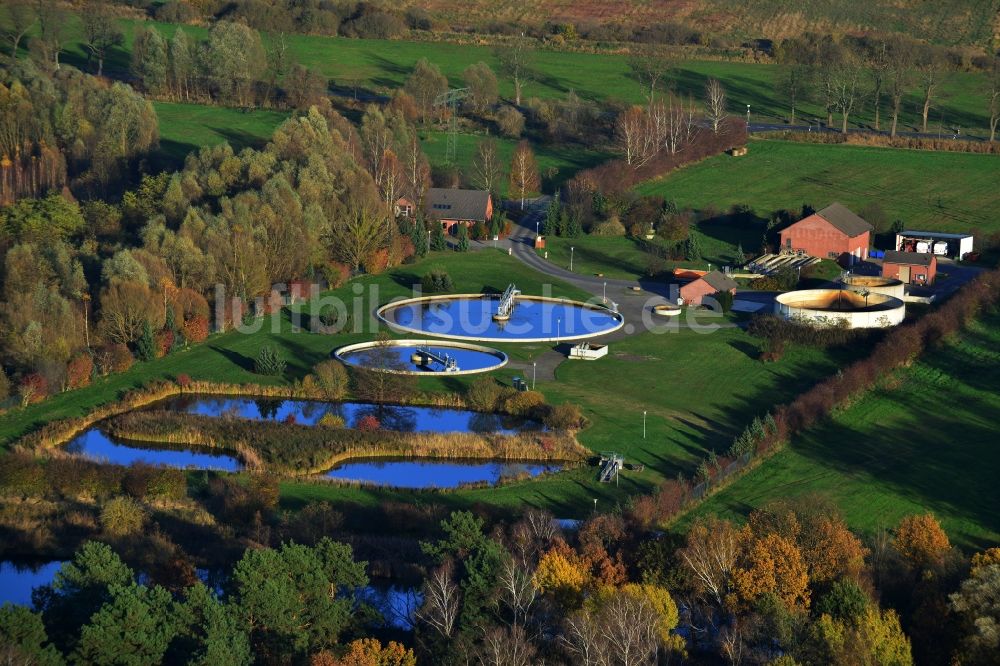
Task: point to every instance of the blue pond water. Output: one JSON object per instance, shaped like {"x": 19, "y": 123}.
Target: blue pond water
{"x": 473, "y": 318}
{"x": 96, "y": 445}
{"x": 433, "y": 474}
{"x": 400, "y": 358}
{"x": 396, "y": 603}
{"x": 309, "y": 412}
{"x": 17, "y": 581}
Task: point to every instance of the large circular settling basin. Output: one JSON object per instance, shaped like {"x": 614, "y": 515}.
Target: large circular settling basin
{"x": 471, "y": 317}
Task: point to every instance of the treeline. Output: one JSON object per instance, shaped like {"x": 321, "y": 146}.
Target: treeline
{"x": 876, "y": 72}
{"x": 793, "y": 585}
{"x": 64, "y": 128}
{"x": 89, "y": 286}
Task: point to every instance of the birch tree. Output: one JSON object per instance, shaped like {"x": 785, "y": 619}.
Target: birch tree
{"x": 515, "y": 63}
{"x": 487, "y": 169}
{"x": 715, "y": 104}
{"x": 524, "y": 178}
{"x": 441, "y": 601}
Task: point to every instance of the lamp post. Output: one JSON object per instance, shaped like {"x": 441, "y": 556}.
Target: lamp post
{"x": 558, "y": 328}
{"x": 534, "y": 374}
{"x": 536, "y": 227}
{"x": 605, "y": 291}
{"x": 571, "y": 249}
{"x": 748, "y": 116}
{"x": 644, "y": 424}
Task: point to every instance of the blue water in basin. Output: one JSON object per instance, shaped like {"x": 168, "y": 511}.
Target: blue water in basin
{"x": 17, "y": 581}
{"x": 309, "y": 412}
{"x": 473, "y": 318}
{"x": 400, "y": 358}
{"x": 433, "y": 473}
{"x": 96, "y": 445}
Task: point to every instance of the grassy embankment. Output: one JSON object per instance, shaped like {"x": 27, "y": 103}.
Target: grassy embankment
{"x": 925, "y": 440}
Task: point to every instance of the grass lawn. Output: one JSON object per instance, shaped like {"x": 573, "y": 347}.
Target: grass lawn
{"x": 624, "y": 258}
{"x": 927, "y": 442}
{"x": 188, "y": 127}
{"x": 556, "y": 163}
{"x": 381, "y": 65}
{"x": 924, "y": 189}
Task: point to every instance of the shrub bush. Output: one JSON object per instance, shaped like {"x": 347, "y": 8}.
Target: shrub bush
{"x": 78, "y": 372}
{"x": 564, "y": 417}
{"x": 122, "y": 516}
{"x": 332, "y": 379}
{"x": 330, "y": 420}
{"x": 196, "y": 329}
{"x": 510, "y": 121}
{"x": 33, "y": 388}
{"x": 524, "y": 403}
{"x": 611, "y": 227}
{"x": 436, "y": 280}
{"x": 269, "y": 362}
{"x": 484, "y": 394}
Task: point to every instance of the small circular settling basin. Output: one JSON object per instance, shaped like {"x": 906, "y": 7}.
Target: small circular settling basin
{"x": 471, "y": 317}
{"x": 421, "y": 357}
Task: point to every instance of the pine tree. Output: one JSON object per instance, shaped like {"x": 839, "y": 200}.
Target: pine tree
{"x": 741, "y": 258}
{"x": 692, "y": 249}
{"x": 418, "y": 236}
{"x": 463, "y": 238}
{"x": 170, "y": 324}
{"x": 438, "y": 243}
{"x": 145, "y": 346}
{"x": 551, "y": 225}
{"x": 269, "y": 362}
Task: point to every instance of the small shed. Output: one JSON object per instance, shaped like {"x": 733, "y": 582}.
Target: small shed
{"x": 708, "y": 284}
{"x": 588, "y": 351}
{"x": 910, "y": 267}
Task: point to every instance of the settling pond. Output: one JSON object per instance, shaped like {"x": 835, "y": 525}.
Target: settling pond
{"x": 97, "y": 445}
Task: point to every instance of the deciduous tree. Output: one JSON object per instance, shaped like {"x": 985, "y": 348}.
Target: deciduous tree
{"x": 921, "y": 541}
{"x": 715, "y": 104}
{"x": 100, "y": 31}
{"x": 516, "y": 60}
{"x": 524, "y": 178}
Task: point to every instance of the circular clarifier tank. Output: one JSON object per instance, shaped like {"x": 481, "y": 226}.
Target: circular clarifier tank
{"x": 820, "y": 307}
{"x": 874, "y": 284}
{"x": 418, "y": 357}
{"x": 473, "y": 317}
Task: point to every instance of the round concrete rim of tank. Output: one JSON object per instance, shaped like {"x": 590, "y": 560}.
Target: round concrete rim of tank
{"x": 380, "y": 313}
{"x": 666, "y": 310}
{"x": 875, "y": 284}
{"x": 875, "y": 311}
{"x": 501, "y": 357}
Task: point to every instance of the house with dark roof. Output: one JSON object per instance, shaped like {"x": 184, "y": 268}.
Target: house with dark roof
{"x": 832, "y": 233}
{"x": 709, "y": 284}
{"x": 452, "y": 206}
{"x": 910, "y": 267}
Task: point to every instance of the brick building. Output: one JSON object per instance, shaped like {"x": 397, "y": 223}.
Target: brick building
{"x": 910, "y": 267}
{"x": 707, "y": 285}
{"x": 832, "y": 233}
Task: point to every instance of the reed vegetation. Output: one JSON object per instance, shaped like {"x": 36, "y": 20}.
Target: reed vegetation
{"x": 295, "y": 449}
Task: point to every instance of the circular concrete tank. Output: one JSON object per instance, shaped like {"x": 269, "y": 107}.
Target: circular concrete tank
{"x": 874, "y": 284}
{"x": 829, "y": 307}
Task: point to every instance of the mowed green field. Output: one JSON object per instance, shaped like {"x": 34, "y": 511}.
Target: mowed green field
{"x": 187, "y": 127}
{"x": 383, "y": 65}
{"x": 939, "y": 191}
{"x": 929, "y": 441}
{"x": 624, "y": 258}
{"x": 556, "y": 163}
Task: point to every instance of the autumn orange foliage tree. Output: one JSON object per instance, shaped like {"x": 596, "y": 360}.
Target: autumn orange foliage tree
{"x": 772, "y": 565}
{"x": 921, "y": 541}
